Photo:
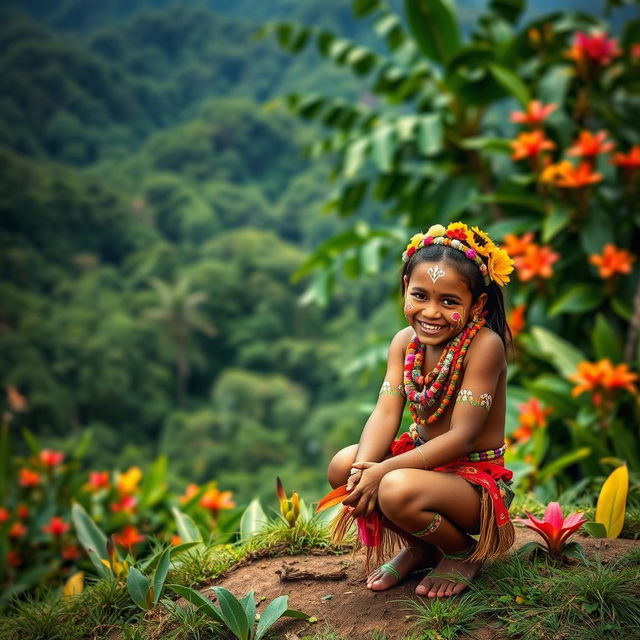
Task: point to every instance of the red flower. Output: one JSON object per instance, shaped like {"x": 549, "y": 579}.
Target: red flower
{"x": 594, "y": 48}
{"x": 97, "y": 480}
{"x": 634, "y": 51}
{"x": 22, "y": 511}
{"x": 554, "y": 529}
{"x": 13, "y": 559}
{"x": 56, "y": 527}
{"x": 530, "y": 145}
{"x": 4, "y": 515}
{"x": 126, "y": 503}
{"x": 457, "y": 234}
{"x": 51, "y": 458}
{"x": 612, "y": 261}
{"x": 28, "y": 478}
{"x": 535, "y": 114}
{"x": 17, "y": 530}
{"x": 70, "y": 552}
{"x": 536, "y": 262}
{"x": 629, "y": 161}
{"x": 128, "y": 537}
{"x": 589, "y": 145}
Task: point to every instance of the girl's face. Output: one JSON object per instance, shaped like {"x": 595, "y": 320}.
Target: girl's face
{"x": 437, "y": 302}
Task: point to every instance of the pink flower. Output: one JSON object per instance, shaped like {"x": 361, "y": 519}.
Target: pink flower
{"x": 594, "y": 48}
{"x": 554, "y": 529}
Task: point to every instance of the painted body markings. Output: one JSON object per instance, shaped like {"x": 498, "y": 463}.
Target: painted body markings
{"x": 388, "y": 390}
{"x": 435, "y": 272}
{"x": 457, "y": 318}
{"x": 408, "y": 308}
{"x": 484, "y": 401}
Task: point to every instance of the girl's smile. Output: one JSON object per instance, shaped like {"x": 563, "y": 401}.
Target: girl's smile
{"x": 438, "y": 302}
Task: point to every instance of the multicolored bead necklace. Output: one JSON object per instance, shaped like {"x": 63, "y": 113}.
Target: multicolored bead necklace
{"x": 441, "y": 382}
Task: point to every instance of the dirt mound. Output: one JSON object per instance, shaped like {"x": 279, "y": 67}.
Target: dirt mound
{"x": 331, "y": 588}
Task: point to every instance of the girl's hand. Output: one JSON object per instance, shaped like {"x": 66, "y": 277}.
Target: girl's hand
{"x": 364, "y": 496}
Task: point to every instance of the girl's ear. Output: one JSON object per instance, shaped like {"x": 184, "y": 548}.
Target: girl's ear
{"x": 405, "y": 284}
{"x": 478, "y": 305}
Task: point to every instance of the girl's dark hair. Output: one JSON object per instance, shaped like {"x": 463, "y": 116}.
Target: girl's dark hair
{"x": 469, "y": 272}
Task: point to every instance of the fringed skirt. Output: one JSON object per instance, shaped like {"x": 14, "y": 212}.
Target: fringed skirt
{"x": 483, "y": 469}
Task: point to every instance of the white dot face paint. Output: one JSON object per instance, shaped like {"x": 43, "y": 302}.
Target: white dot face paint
{"x": 435, "y": 272}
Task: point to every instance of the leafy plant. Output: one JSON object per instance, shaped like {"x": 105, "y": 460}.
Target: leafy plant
{"x": 289, "y": 507}
{"x": 239, "y": 616}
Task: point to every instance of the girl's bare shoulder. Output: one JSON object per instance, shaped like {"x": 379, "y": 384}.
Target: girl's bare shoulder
{"x": 487, "y": 345}
{"x": 402, "y": 339}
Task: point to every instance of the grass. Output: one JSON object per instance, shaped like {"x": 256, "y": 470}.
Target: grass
{"x": 523, "y": 596}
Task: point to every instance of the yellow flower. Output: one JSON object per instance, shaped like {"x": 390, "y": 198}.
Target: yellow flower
{"x": 480, "y": 241}
{"x": 500, "y": 265}
{"x": 436, "y": 230}
{"x": 128, "y": 481}
{"x": 415, "y": 240}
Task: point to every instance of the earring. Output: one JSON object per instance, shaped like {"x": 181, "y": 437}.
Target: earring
{"x": 476, "y": 317}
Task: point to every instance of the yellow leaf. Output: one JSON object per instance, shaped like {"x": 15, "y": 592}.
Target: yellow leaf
{"x": 612, "y": 500}
{"x": 74, "y": 585}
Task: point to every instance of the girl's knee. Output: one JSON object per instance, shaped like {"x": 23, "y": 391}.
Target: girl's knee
{"x": 395, "y": 491}
{"x": 340, "y": 465}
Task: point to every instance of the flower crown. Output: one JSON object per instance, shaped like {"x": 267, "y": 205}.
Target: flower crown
{"x": 474, "y": 243}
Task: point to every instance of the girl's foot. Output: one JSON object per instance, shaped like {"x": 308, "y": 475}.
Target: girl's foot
{"x": 391, "y": 573}
{"x": 435, "y": 587}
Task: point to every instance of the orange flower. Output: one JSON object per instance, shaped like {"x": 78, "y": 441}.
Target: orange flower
{"x": 565, "y": 175}
{"x": 17, "y": 530}
{"x": 128, "y": 537}
{"x": 516, "y": 246}
{"x": 589, "y": 145}
{"x": 16, "y": 401}
{"x": 612, "y": 261}
{"x": 175, "y": 540}
{"x": 532, "y": 417}
{"x": 629, "y": 161}
{"x": 535, "y": 114}
{"x": 4, "y": 515}
{"x": 530, "y": 145}
{"x": 516, "y": 319}
{"x": 602, "y": 376}
{"x": 215, "y": 500}
{"x": 189, "y": 492}
{"x": 97, "y": 480}
{"x": 56, "y": 527}
{"x": 536, "y": 262}
{"x": 594, "y": 48}
{"x": 28, "y": 478}
{"x": 51, "y": 458}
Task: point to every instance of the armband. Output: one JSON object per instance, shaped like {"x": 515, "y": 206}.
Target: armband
{"x": 484, "y": 401}
{"x": 388, "y": 390}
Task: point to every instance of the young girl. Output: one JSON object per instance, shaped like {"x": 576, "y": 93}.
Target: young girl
{"x": 444, "y": 480}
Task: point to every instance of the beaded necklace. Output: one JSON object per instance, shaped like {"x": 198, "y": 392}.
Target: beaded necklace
{"x": 440, "y": 383}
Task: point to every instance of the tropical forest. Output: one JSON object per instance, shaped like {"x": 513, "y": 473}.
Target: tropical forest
{"x": 203, "y": 214}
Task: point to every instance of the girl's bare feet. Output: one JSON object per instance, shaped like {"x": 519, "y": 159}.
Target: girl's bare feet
{"x": 409, "y": 559}
{"x": 437, "y": 585}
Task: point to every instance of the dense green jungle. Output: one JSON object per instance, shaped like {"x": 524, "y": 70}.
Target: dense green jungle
{"x": 155, "y": 207}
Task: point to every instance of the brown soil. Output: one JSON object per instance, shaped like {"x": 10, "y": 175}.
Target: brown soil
{"x": 331, "y": 588}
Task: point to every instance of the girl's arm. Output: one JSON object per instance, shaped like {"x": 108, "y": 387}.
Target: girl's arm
{"x": 485, "y": 363}
{"x": 383, "y": 423}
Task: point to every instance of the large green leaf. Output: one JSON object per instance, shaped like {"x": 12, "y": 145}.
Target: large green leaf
{"x": 249, "y": 605}
{"x": 562, "y": 462}
{"x": 563, "y": 355}
{"x": 430, "y": 133}
{"x": 434, "y": 26}
{"x": 187, "y": 528}
{"x": 138, "y": 588}
{"x": 91, "y": 538}
{"x": 154, "y": 485}
{"x": 383, "y": 142}
{"x": 510, "y": 10}
{"x": 275, "y": 610}
{"x": 233, "y": 613}
{"x": 511, "y": 83}
{"x": 557, "y": 218}
{"x": 578, "y": 299}
{"x": 194, "y": 597}
{"x": 606, "y": 341}
{"x": 161, "y": 574}
{"x": 253, "y": 520}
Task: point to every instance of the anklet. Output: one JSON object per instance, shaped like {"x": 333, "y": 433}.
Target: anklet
{"x": 460, "y": 555}
{"x": 389, "y": 568}
{"x": 432, "y": 526}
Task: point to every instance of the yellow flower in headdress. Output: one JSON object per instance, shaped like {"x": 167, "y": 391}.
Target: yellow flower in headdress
{"x": 480, "y": 241}
{"x": 500, "y": 265}
{"x": 415, "y": 241}
{"x": 436, "y": 230}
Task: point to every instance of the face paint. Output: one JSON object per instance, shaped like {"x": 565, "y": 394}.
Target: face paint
{"x": 435, "y": 272}
{"x": 408, "y": 308}
{"x": 457, "y": 318}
